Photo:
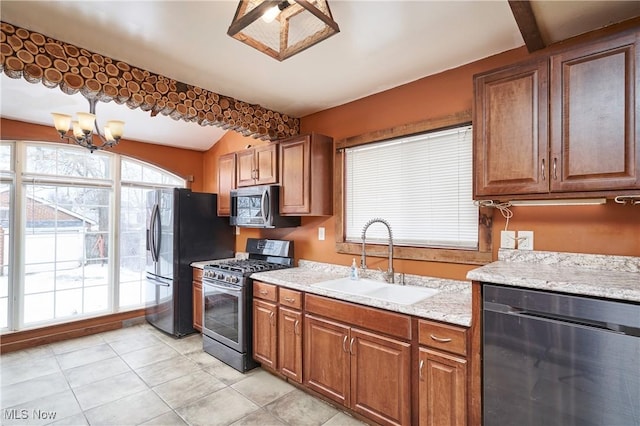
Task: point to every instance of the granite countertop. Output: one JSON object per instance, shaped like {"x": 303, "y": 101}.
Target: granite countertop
{"x": 452, "y": 303}
{"x": 611, "y": 277}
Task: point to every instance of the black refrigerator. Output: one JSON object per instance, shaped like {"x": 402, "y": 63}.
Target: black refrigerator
{"x": 182, "y": 227}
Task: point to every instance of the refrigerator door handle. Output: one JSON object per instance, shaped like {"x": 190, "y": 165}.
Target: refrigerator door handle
{"x": 153, "y": 232}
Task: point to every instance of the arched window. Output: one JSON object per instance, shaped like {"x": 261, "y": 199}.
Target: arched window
{"x": 75, "y": 232}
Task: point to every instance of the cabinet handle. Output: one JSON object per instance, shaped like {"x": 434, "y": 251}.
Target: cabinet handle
{"x": 420, "y": 369}
{"x": 543, "y": 176}
{"x": 344, "y": 344}
{"x": 289, "y": 299}
{"x": 295, "y": 328}
{"x": 351, "y": 345}
{"x": 265, "y": 292}
{"x": 271, "y": 315}
{"x": 555, "y": 169}
{"x": 440, "y": 339}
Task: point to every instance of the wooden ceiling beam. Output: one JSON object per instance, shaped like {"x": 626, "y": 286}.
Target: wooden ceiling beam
{"x": 41, "y": 59}
{"x": 526, "y": 21}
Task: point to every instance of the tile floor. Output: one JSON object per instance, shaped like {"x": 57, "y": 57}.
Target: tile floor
{"x": 140, "y": 376}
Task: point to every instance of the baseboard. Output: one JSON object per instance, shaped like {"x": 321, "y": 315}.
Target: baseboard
{"x": 25, "y": 339}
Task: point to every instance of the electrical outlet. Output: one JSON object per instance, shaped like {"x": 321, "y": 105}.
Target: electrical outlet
{"x": 508, "y": 239}
{"x": 321, "y": 233}
{"x": 237, "y": 230}
{"x": 525, "y": 240}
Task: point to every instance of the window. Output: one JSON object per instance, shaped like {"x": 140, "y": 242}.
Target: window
{"x": 419, "y": 178}
{"x": 69, "y": 207}
{"x": 7, "y": 182}
{"x": 421, "y": 184}
{"x": 137, "y": 180}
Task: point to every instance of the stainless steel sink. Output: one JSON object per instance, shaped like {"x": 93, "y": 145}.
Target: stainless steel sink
{"x": 400, "y": 294}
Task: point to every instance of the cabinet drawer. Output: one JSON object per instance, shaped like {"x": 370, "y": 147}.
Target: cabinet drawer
{"x": 290, "y": 298}
{"x": 265, "y": 291}
{"x": 442, "y": 336}
{"x": 197, "y": 274}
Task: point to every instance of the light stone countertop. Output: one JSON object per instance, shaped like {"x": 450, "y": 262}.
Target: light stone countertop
{"x": 452, "y": 303}
{"x": 611, "y": 277}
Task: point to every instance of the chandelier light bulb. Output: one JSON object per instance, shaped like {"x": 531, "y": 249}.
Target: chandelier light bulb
{"x": 86, "y": 121}
{"x": 271, "y": 14}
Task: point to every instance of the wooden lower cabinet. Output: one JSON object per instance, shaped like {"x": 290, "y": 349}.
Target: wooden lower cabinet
{"x": 380, "y": 377}
{"x": 265, "y": 333}
{"x": 442, "y": 389}
{"x": 197, "y": 299}
{"x": 326, "y": 358}
{"x": 364, "y": 371}
{"x": 290, "y": 343}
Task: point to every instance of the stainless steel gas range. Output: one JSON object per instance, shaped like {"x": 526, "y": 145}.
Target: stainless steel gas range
{"x": 227, "y": 326}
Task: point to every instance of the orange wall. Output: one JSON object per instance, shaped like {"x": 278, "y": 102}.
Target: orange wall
{"x": 608, "y": 229}
{"x": 182, "y": 162}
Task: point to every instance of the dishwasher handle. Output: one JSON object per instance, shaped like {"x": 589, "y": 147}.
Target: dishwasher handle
{"x": 569, "y": 320}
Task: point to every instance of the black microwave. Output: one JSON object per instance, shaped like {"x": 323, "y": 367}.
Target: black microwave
{"x": 259, "y": 207}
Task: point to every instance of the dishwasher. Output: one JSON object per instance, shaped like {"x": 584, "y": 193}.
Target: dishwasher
{"x": 557, "y": 359}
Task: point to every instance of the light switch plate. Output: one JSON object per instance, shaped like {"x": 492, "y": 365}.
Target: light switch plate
{"x": 508, "y": 239}
{"x": 321, "y": 233}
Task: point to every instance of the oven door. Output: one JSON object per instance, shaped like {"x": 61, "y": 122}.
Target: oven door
{"x": 224, "y": 313}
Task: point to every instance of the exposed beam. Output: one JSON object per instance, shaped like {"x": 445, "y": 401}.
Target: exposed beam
{"x": 527, "y": 24}
{"x": 38, "y": 58}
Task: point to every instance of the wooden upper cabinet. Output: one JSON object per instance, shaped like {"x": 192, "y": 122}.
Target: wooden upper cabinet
{"x": 306, "y": 175}
{"x": 510, "y": 131}
{"x": 594, "y": 114}
{"x": 257, "y": 166}
{"x": 226, "y": 182}
{"x": 564, "y": 125}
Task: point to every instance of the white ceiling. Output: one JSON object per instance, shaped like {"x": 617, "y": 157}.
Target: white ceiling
{"x": 382, "y": 44}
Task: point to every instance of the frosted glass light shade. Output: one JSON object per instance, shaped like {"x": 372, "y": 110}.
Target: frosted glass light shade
{"x": 86, "y": 121}
{"x": 77, "y": 130}
{"x": 116, "y": 128}
{"x": 62, "y": 122}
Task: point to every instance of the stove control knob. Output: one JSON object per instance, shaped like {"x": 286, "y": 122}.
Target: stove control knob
{"x": 234, "y": 280}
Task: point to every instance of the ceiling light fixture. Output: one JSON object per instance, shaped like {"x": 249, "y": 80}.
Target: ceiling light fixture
{"x": 286, "y": 28}
{"x": 82, "y": 129}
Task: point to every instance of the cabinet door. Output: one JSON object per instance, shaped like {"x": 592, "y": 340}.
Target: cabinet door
{"x": 197, "y": 305}
{"x": 226, "y": 182}
{"x": 264, "y": 333}
{"x": 594, "y": 113}
{"x": 510, "y": 131}
{"x": 442, "y": 389}
{"x": 266, "y": 164}
{"x": 290, "y": 343}
{"x": 295, "y": 176}
{"x": 380, "y": 377}
{"x": 326, "y": 358}
{"x": 245, "y": 173}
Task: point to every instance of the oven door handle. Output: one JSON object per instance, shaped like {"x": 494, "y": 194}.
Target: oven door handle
{"x": 224, "y": 288}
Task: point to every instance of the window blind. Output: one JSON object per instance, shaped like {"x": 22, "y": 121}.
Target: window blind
{"x": 421, "y": 184}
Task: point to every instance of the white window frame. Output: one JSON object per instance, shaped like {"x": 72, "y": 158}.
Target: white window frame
{"x": 18, "y": 177}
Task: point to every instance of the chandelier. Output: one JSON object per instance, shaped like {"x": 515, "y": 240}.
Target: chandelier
{"x": 282, "y": 28}
{"x": 82, "y": 129}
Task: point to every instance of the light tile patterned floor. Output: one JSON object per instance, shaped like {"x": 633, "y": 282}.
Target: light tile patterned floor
{"x": 140, "y": 376}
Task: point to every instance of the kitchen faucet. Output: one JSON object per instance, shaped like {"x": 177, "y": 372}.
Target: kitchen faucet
{"x": 363, "y": 263}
